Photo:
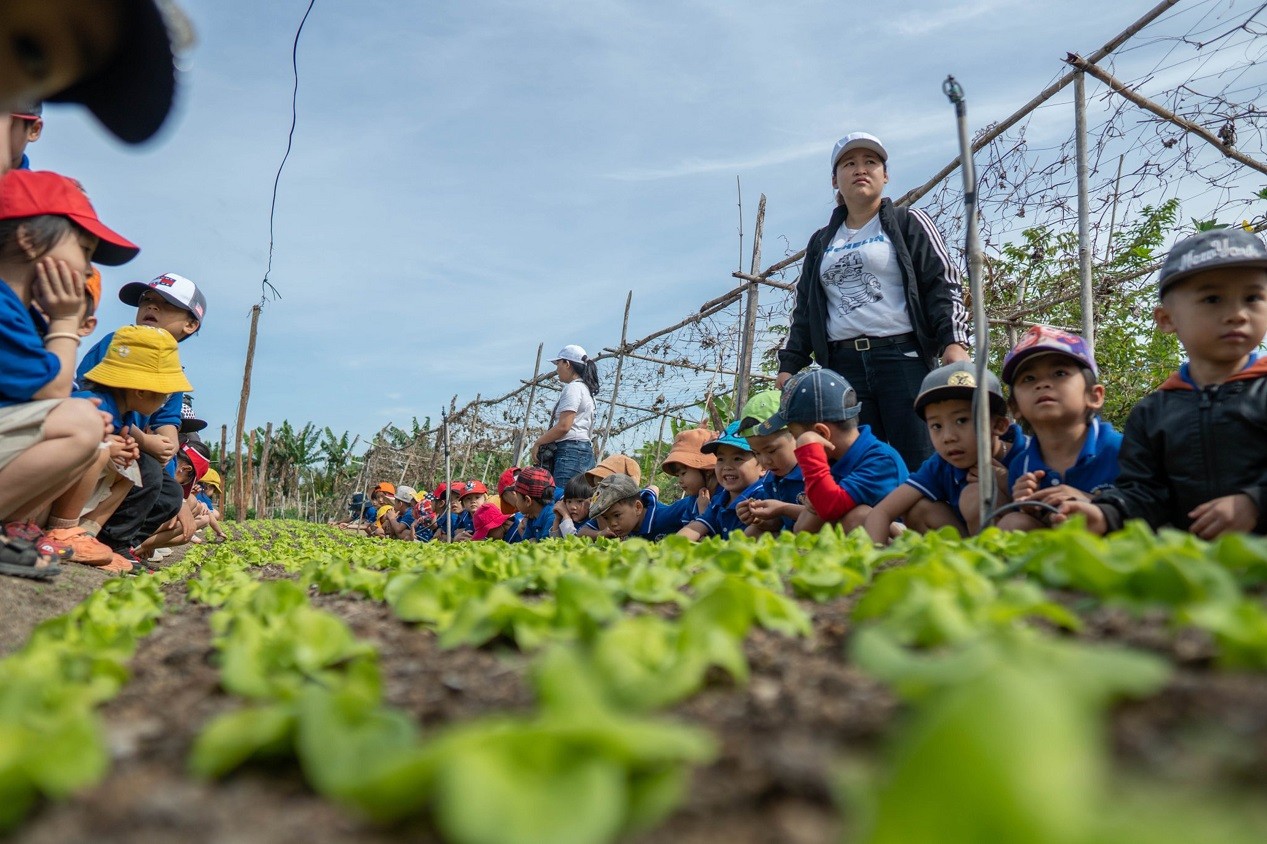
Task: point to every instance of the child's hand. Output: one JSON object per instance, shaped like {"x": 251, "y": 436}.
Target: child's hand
{"x": 1229, "y": 513}
{"x": 703, "y": 500}
{"x": 764, "y": 510}
{"x": 1059, "y": 494}
{"x": 810, "y": 437}
{"x": 608, "y": 533}
{"x": 560, "y": 510}
{"x": 744, "y": 511}
{"x": 1026, "y": 485}
{"x": 59, "y": 290}
{"x": 463, "y": 536}
{"x": 1096, "y": 523}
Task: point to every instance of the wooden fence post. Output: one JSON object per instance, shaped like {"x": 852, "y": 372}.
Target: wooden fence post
{"x": 532, "y": 394}
{"x": 261, "y": 503}
{"x": 250, "y": 474}
{"x": 620, "y": 361}
{"x": 743, "y": 379}
{"x": 240, "y": 498}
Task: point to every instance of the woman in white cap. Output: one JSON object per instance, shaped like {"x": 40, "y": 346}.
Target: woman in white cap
{"x": 879, "y": 299}
{"x": 567, "y": 449}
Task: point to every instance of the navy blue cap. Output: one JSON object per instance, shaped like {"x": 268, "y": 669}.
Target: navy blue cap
{"x": 818, "y": 395}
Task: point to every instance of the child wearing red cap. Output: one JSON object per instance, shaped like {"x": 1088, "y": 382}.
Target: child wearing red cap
{"x": 48, "y": 234}
{"x": 491, "y": 523}
{"x": 449, "y": 513}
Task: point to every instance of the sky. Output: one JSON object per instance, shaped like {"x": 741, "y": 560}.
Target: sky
{"x": 470, "y": 179}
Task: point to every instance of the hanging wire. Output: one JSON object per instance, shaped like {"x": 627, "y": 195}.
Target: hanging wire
{"x": 267, "y": 290}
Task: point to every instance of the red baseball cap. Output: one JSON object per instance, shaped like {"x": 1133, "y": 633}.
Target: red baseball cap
{"x": 475, "y": 488}
{"x": 505, "y": 482}
{"x": 488, "y": 517}
{"x": 30, "y": 193}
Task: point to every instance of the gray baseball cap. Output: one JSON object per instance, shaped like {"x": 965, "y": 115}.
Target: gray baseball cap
{"x": 1231, "y": 247}
{"x": 612, "y": 489}
{"x": 818, "y": 395}
{"x": 958, "y": 380}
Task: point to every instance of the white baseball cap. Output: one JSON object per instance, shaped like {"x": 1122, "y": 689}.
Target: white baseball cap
{"x": 176, "y": 289}
{"x": 572, "y": 354}
{"x": 856, "y": 140}
{"x": 405, "y": 493}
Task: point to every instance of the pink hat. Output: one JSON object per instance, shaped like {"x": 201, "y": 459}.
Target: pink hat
{"x": 488, "y": 517}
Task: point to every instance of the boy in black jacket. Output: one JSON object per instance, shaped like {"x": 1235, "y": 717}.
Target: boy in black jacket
{"x": 1194, "y": 453}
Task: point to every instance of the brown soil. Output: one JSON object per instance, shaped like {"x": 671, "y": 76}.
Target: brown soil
{"x": 780, "y": 735}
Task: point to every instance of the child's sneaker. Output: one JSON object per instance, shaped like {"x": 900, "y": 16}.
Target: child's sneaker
{"x": 84, "y": 548}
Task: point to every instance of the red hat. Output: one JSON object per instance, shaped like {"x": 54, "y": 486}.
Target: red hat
{"x": 28, "y": 193}
{"x": 455, "y": 488}
{"x": 534, "y": 482}
{"x": 488, "y": 517}
{"x": 505, "y": 482}
{"x": 200, "y": 463}
{"x": 475, "y": 488}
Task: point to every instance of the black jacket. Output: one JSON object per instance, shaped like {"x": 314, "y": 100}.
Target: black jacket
{"x": 934, "y": 296}
{"x": 1183, "y": 447}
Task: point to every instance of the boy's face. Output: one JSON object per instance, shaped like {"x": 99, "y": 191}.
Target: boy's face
{"x": 953, "y": 432}
{"x": 1219, "y": 316}
{"x": 472, "y": 502}
{"x": 21, "y": 133}
{"x": 154, "y": 310}
{"x": 1050, "y": 391}
{"x": 148, "y": 402}
{"x": 578, "y": 509}
{"x": 691, "y": 480}
{"x": 775, "y": 452}
{"x": 512, "y": 499}
{"x": 736, "y": 469}
{"x": 499, "y": 532}
{"x": 623, "y": 517}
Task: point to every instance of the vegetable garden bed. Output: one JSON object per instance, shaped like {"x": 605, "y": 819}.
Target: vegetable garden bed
{"x": 303, "y": 684}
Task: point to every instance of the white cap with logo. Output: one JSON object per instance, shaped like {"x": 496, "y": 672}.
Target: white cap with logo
{"x": 858, "y": 140}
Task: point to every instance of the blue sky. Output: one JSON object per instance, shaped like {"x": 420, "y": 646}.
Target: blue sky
{"x": 471, "y": 178}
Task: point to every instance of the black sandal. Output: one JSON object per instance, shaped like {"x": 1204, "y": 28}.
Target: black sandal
{"x": 19, "y": 558}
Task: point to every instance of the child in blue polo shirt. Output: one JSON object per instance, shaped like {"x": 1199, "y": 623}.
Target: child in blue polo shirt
{"x": 623, "y": 510}
{"x": 449, "y": 512}
{"x": 1055, "y": 390}
{"x": 534, "y": 496}
{"x": 738, "y": 475}
{"x": 821, "y": 410}
{"x": 48, "y": 234}
{"x": 943, "y": 491}
{"x": 694, "y": 471}
{"x": 777, "y": 506}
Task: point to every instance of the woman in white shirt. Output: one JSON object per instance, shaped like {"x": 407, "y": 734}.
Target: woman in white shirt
{"x": 568, "y": 451}
{"x": 879, "y": 299}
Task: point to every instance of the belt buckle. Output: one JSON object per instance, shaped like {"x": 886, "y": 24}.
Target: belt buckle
{"x": 862, "y": 344}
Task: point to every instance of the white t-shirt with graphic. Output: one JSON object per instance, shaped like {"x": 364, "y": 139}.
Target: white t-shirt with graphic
{"x": 575, "y": 397}
{"x": 860, "y": 274}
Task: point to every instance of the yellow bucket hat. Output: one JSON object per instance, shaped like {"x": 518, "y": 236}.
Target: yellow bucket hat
{"x": 141, "y": 357}
{"x": 211, "y": 478}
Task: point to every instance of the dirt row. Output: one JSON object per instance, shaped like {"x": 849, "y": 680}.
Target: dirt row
{"x": 780, "y": 735}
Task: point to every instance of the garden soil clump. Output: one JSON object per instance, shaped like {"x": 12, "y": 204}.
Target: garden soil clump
{"x": 781, "y": 736}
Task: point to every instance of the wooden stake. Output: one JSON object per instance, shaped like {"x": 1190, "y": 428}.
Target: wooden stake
{"x": 250, "y": 474}
{"x": 1084, "y": 207}
{"x": 243, "y": 399}
{"x": 749, "y": 337}
{"x": 620, "y": 360}
{"x": 532, "y": 394}
{"x": 261, "y": 507}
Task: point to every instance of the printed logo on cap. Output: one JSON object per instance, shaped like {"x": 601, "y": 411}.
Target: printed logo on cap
{"x": 961, "y": 379}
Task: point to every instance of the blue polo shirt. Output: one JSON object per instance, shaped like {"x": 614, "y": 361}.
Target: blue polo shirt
{"x": 786, "y": 489}
{"x": 25, "y": 365}
{"x": 207, "y": 502}
{"x": 168, "y": 414}
{"x": 442, "y": 521}
{"x": 720, "y": 518}
{"x": 658, "y": 521}
{"x": 682, "y": 512}
{"x": 1095, "y": 468}
{"x": 539, "y": 528}
{"x": 110, "y": 405}
{"x": 870, "y": 469}
{"x": 512, "y": 528}
{"x": 938, "y": 480}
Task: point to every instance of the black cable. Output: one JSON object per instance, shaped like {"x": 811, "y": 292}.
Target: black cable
{"x": 266, "y": 286}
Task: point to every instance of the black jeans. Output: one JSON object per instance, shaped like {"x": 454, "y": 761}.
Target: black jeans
{"x": 145, "y": 509}
{"x": 887, "y": 380}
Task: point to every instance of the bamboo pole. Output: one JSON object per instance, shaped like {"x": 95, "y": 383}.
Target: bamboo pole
{"x": 250, "y": 474}
{"x": 243, "y": 399}
{"x": 761, "y": 279}
{"x": 620, "y": 362}
{"x": 659, "y": 443}
{"x": 470, "y": 439}
{"x": 532, "y": 394}
{"x": 1084, "y": 210}
{"x": 749, "y": 339}
{"x": 1148, "y": 105}
{"x": 261, "y": 504}
{"x": 683, "y": 363}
